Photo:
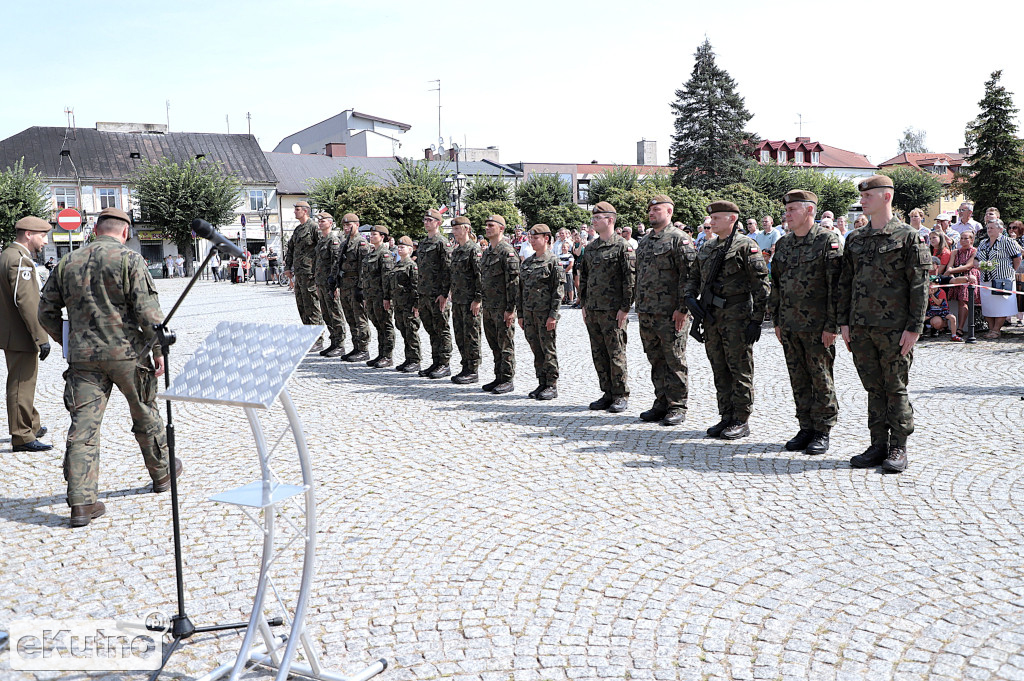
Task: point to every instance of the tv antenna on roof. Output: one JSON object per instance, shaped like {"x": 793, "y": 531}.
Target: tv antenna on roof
{"x": 440, "y": 140}
{"x": 800, "y": 123}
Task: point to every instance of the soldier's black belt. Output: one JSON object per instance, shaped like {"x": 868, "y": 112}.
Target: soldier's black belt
{"x": 722, "y": 301}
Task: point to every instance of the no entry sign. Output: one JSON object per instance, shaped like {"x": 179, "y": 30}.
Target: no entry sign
{"x": 69, "y": 219}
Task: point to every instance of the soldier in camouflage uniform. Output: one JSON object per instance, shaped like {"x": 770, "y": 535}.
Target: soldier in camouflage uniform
{"x": 540, "y": 295}
{"x": 327, "y": 250}
{"x": 466, "y": 299}
{"x": 400, "y": 297}
{"x": 112, "y": 306}
{"x": 298, "y": 264}
{"x": 354, "y": 250}
{"x": 607, "y": 277}
{"x": 882, "y": 304}
{"x": 735, "y": 311}
{"x": 376, "y": 269}
{"x": 664, "y": 259}
{"x": 499, "y": 279}
{"x": 434, "y": 261}
{"x": 802, "y": 302}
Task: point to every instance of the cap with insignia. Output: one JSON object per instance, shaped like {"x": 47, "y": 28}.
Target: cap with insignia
{"x": 31, "y": 223}
{"x": 404, "y": 241}
{"x": 350, "y": 217}
{"x": 433, "y": 213}
{"x": 461, "y": 220}
{"x": 540, "y": 229}
{"x": 498, "y": 219}
{"x": 324, "y": 216}
{"x": 800, "y": 195}
{"x": 875, "y": 182}
{"x": 380, "y": 229}
{"x": 605, "y": 207}
{"x": 723, "y": 207}
{"x": 660, "y": 198}
{"x": 115, "y": 213}
{"x": 302, "y": 204}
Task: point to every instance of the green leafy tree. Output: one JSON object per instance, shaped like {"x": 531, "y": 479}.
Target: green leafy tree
{"x": 404, "y": 206}
{"x": 659, "y": 183}
{"x": 618, "y": 177}
{"x": 479, "y": 212}
{"x": 913, "y": 141}
{"x": 774, "y": 181}
{"x": 22, "y": 193}
{"x": 691, "y": 205}
{"x": 172, "y": 194}
{"x": 630, "y": 204}
{"x": 569, "y": 216}
{"x": 422, "y": 174}
{"x": 540, "y": 191}
{"x": 752, "y": 203}
{"x": 912, "y": 188}
{"x": 710, "y": 147}
{"x": 836, "y": 194}
{"x": 484, "y": 188}
{"x": 997, "y": 164}
{"x": 330, "y": 193}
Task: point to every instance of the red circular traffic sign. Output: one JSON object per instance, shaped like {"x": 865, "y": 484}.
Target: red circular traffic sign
{"x": 69, "y": 219}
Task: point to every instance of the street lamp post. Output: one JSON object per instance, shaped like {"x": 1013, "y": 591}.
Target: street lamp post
{"x": 456, "y": 184}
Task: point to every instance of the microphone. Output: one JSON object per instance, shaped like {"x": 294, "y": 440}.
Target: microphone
{"x": 206, "y": 230}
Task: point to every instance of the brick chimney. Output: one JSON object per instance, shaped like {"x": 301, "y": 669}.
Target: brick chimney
{"x": 428, "y": 154}
{"x": 336, "y": 149}
{"x": 803, "y": 139}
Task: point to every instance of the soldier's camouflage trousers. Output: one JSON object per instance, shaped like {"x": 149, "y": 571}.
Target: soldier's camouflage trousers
{"x": 884, "y": 373}
{"x": 355, "y": 316}
{"x": 501, "y": 339}
{"x": 466, "y": 327}
{"x": 810, "y": 375}
{"x": 542, "y": 342}
{"x": 666, "y": 350}
{"x": 436, "y": 324}
{"x": 307, "y": 301}
{"x": 409, "y": 326}
{"x": 330, "y": 306}
{"x": 87, "y": 387}
{"x": 608, "y": 348}
{"x": 732, "y": 363}
{"x": 381, "y": 319}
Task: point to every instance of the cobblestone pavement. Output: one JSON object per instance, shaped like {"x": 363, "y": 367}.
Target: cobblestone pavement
{"x": 469, "y": 536}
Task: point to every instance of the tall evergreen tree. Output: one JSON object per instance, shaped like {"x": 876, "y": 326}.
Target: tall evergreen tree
{"x": 997, "y": 164}
{"x": 710, "y": 147}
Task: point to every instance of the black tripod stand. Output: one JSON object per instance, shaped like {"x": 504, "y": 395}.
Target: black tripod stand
{"x": 181, "y": 626}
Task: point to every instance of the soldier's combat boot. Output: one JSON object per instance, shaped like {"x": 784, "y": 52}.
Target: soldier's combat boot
{"x": 549, "y": 392}
{"x": 502, "y": 388}
{"x": 488, "y": 387}
{"x": 408, "y": 367}
{"x": 163, "y": 484}
{"x": 317, "y": 347}
{"x": 618, "y": 405}
{"x": 383, "y": 363}
{"x": 357, "y": 356}
{"x": 82, "y": 515}
{"x": 818, "y": 443}
{"x": 330, "y": 348}
{"x": 336, "y": 351}
{"x": 344, "y": 358}
{"x": 872, "y": 456}
{"x": 716, "y": 430}
{"x": 373, "y": 362}
{"x": 601, "y": 404}
{"x": 465, "y": 376}
{"x": 655, "y": 413}
{"x": 440, "y": 371}
{"x": 736, "y": 430}
{"x": 674, "y": 416}
{"x": 801, "y": 440}
{"x": 896, "y": 461}
{"x": 425, "y": 372}
{"x": 536, "y": 391}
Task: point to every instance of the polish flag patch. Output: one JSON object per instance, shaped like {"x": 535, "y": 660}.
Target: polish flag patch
{"x": 755, "y": 249}
{"x": 835, "y": 246}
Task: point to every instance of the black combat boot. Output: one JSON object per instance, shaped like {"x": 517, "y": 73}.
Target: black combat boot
{"x": 408, "y": 367}
{"x": 425, "y": 372}
{"x": 655, "y": 413}
{"x": 618, "y": 405}
{"x": 818, "y": 443}
{"x": 383, "y": 362}
{"x": 716, "y": 430}
{"x": 801, "y": 440}
{"x": 674, "y": 416}
{"x": 488, "y": 387}
{"x": 549, "y": 392}
{"x": 502, "y": 388}
{"x": 440, "y": 371}
{"x": 357, "y": 356}
{"x": 872, "y": 456}
{"x": 896, "y": 461}
{"x": 736, "y": 430}
{"x": 604, "y": 402}
{"x": 338, "y": 351}
{"x": 536, "y": 391}
{"x": 466, "y": 376}
{"x": 373, "y": 362}
{"x": 330, "y": 348}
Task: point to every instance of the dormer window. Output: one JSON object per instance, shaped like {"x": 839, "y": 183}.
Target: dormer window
{"x": 782, "y": 155}
{"x": 798, "y": 157}
{"x": 766, "y": 155}
{"x": 815, "y": 156}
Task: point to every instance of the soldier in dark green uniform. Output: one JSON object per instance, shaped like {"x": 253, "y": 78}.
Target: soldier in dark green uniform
{"x": 499, "y": 279}
{"x": 882, "y": 305}
{"x": 434, "y": 262}
{"x": 298, "y": 265}
{"x": 354, "y": 250}
{"x": 735, "y": 305}
{"x": 112, "y": 306}
{"x": 327, "y": 250}
{"x": 400, "y": 297}
{"x": 376, "y": 269}
{"x": 607, "y": 277}
{"x": 802, "y": 302}
{"x": 540, "y": 295}
{"x": 466, "y": 299}
{"x": 665, "y": 257}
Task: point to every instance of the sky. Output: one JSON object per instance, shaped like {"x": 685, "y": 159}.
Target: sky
{"x": 545, "y": 81}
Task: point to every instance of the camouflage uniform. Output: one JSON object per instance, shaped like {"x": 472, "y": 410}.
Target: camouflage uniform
{"x": 805, "y": 288}
{"x": 540, "y": 295}
{"x": 327, "y": 249}
{"x": 112, "y": 307}
{"x": 742, "y": 284}
{"x": 434, "y": 262}
{"x": 466, "y": 290}
{"x": 400, "y": 289}
{"x": 299, "y": 257}
{"x": 884, "y": 292}
{"x": 663, "y": 266}
{"x": 376, "y": 269}
{"x": 607, "y": 278}
{"x": 354, "y": 250}
{"x": 499, "y": 281}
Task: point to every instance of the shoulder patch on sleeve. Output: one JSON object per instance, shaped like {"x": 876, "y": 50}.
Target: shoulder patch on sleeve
{"x": 920, "y": 238}
{"x": 834, "y": 245}
{"x": 755, "y": 249}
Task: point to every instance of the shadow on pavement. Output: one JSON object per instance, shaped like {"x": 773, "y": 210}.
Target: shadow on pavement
{"x": 30, "y": 511}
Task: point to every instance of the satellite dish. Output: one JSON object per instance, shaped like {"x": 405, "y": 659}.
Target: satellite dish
{"x": 296, "y": 149}
{"x": 433, "y": 147}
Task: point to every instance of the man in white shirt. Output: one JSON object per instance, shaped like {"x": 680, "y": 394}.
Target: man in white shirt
{"x": 627, "y": 234}
{"x": 964, "y": 221}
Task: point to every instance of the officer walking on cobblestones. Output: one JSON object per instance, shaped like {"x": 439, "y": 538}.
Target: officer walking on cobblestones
{"x": 400, "y": 297}
{"x": 327, "y": 250}
{"x": 466, "y": 299}
{"x": 499, "y": 280}
{"x": 347, "y": 267}
{"x": 805, "y": 290}
{"x": 434, "y": 261}
{"x": 375, "y": 271}
{"x": 607, "y": 278}
{"x": 540, "y": 295}
{"x": 665, "y": 257}
{"x": 112, "y": 307}
{"x": 882, "y": 305}
{"x": 734, "y": 293}
{"x": 298, "y": 264}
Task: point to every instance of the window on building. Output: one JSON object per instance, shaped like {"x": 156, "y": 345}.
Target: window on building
{"x": 109, "y": 197}
{"x": 814, "y": 156}
{"x": 583, "y": 191}
{"x": 782, "y": 155}
{"x": 257, "y": 199}
{"x": 798, "y": 157}
{"x": 65, "y": 197}
{"x": 766, "y": 155}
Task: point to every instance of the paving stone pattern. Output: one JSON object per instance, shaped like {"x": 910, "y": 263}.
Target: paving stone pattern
{"x": 469, "y": 536}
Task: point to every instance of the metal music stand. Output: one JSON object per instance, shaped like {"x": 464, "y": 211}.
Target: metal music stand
{"x": 248, "y": 365}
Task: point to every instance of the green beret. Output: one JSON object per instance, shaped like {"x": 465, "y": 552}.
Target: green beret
{"x": 875, "y": 182}
{"x": 800, "y": 195}
{"x": 31, "y": 223}
{"x": 723, "y": 207}
{"x": 540, "y": 229}
{"x": 461, "y": 220}
{"x": 604, "y": 207}
{"x": 660, "y": 198}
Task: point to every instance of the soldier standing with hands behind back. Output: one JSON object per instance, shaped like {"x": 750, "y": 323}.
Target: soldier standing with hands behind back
{"x": 346, "y": 272}
{"x": 466, "y": 299}
{"x": 540, "y": 295}
{"x": 298, "y": 266}
{"x": 499, "y": 279}
{"x": 400, "y": 297}
{"x": 376, "y": 270}
{"x": 327, "y": 250}
{"x": 434, "y": 261}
